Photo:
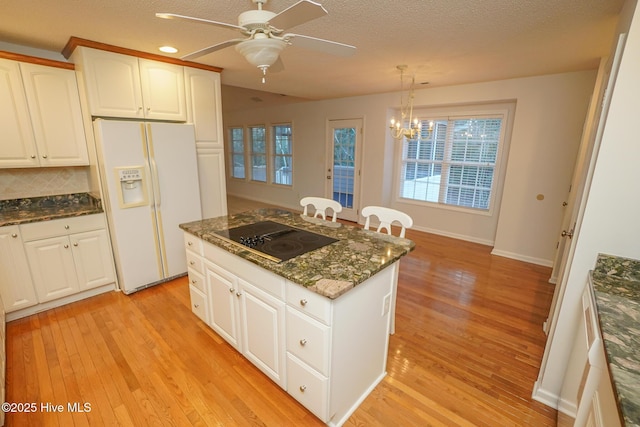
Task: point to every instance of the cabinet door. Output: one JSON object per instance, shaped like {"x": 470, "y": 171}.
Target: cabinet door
{"x": 18, "y": 147}
{"x": 263, "y": 331}
{"x": 113, "y": 84}
{"x": 54, "y": 104}
{"x": 16, "y": 286}
{"x": 211, "y": 177}
{"x": 93, "y": 260}
{"x": 204, "y": 106}
{"x": 52, "y": 268}
{"x": 163, "y": 92}
{"x": 223, "y": 304}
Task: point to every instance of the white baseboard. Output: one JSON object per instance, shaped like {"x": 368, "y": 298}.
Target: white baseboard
{"x": 519, "y": 257}
{"x": 545, "y": 397}
{"x": 455, "y": 236}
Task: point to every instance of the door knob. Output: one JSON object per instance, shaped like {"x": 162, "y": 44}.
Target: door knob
{"x": 566, "y": 233}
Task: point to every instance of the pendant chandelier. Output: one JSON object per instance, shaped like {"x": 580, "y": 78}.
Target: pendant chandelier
{"x": 397, "y": 127}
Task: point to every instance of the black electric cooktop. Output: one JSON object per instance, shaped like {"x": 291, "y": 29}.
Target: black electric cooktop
{"x": 275, "y": 241}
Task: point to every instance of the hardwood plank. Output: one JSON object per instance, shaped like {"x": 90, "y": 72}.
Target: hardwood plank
{"x": 466, "y": 352}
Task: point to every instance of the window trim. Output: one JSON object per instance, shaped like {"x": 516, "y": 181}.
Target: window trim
{"x": 506, "y": 109}
{"x": 273, "y": 154}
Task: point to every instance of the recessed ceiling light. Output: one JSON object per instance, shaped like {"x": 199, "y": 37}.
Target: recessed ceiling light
{"x": 168, "y": 49}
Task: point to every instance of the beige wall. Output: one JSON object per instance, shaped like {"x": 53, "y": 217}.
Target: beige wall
{"x": 549, "y": 116}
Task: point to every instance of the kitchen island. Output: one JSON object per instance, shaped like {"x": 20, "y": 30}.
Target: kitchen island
{"x": 318, "y": 324}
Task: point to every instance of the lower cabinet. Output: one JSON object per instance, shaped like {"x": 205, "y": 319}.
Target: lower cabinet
{"x": 53, "y": 259}
{"x": 16, "y": 286}
{"x": 315, "y": 348}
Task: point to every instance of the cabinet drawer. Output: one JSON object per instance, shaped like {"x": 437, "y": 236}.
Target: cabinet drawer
{"x": 310, "y": 303}
{"x": 309, "y": 340}
{"x": 194, "y": 262}
{"x": 192, "y": 243}
{"x": 257, "y": 276}
{"x": 61, "y": 227}
{"x": 308, "y": 387}
{"x": 197, "y": 280}
{"x": 198, "y": 303}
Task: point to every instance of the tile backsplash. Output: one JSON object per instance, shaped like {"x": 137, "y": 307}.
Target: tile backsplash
{"x": 37, "y": 182}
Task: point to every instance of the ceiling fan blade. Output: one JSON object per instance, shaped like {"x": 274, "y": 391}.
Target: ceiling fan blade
{"x": 320, "y": 45}
{"x": 277, "y": 66}
{"x": 203, "y": 21}
{"x": 210, "y": 49}
{"x": 299, "y": 13}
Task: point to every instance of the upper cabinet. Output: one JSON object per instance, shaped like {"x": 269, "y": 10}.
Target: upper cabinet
{"x": 40, "y": 116}
{"x": 204, "y": 106}
{"x": 129, "y": 87}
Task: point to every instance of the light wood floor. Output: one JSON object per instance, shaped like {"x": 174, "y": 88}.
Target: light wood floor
{"x": 466, "y": 352}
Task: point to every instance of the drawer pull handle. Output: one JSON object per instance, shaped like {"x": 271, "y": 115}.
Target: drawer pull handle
{"x": 66, "y": 227}
{"x": 303, "y": 302}
{"x": 303, "y": 388}
{"x": 303, "y": 342}
{"x": 14, "y": 235}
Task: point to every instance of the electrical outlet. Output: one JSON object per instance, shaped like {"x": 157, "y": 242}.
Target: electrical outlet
{"x": 386, "y": 303}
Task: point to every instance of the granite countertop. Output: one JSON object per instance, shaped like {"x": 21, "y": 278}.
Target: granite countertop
{"x": 22, "y": 211}
{"x": 331, "y": 270}
{"x": 616, "y": 283}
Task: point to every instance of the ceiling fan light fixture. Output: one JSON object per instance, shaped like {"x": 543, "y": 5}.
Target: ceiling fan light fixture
{"x": 261, "y": 52}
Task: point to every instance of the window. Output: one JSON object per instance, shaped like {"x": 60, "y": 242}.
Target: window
{"x": 236, "y": 136}
{"x": 454, "y": 162}
{"x": 258, "y": 144}
{"x": 282, "y": 157}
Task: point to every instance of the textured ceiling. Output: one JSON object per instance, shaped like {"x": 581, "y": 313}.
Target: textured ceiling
{"x": 443, "y": 42}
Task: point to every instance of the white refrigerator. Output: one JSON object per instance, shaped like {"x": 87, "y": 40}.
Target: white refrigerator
{"x": 149, "y": 176}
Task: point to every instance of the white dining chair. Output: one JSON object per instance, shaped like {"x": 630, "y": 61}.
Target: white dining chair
{"x": 321, "y": 205}
{"x": 386, "y": 217}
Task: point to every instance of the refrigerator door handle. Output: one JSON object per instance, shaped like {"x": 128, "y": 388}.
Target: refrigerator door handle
{"x": 156, "y": 182}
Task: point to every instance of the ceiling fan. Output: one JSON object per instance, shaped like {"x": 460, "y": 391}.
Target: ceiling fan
{"x": 265, "y": 35}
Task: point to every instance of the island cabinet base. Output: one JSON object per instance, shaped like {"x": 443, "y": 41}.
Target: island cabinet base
{"x": 328, "y": 354}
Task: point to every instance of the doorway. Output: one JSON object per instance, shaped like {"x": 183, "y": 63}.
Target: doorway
{"x": 343, "y": 166}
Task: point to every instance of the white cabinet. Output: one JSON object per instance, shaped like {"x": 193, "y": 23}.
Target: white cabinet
{"x": 40, "y": 116}
{"x": 248, "y": 316}
{"x": 125, "y": 86}
{"x": 204, "y": 110}
{"x": 327, "y": 354}
{"x": 16, "y": 286}
{"x": 67, "y": 256}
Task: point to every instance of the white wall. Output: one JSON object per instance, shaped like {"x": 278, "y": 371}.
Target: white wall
{"x": 549, "y": 117}
{"x": 609, "y": 222}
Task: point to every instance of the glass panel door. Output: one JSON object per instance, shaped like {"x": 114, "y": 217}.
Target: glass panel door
{"x": 343, "y": 172}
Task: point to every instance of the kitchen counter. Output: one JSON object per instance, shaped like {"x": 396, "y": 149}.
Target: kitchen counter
{"x": 616, "y": 282}
{"x": 22, "y": 211}
{"x": 331, "y": 270}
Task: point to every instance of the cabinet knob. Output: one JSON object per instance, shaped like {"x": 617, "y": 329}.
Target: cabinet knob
{"x": 303, "y": 341}
{"x": 238, "y": 294}
{"x": 196, "y": 305}
{"x": 33, "y": 156}
{"x": 191, "y": 262}
{"x": 66, "y": 227}
{"x": 194, "y": 281}
{"x": 66, "y": 246}
{"x": 14, "y": 235}
{"x": 231, "y": 290}
{"x": 303, "y": 302}
{"x": 75, "y": 243}
{"x": 44, "y": 156}
{"x": 303, "y": 388}
{"x": 190, "y": 243}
